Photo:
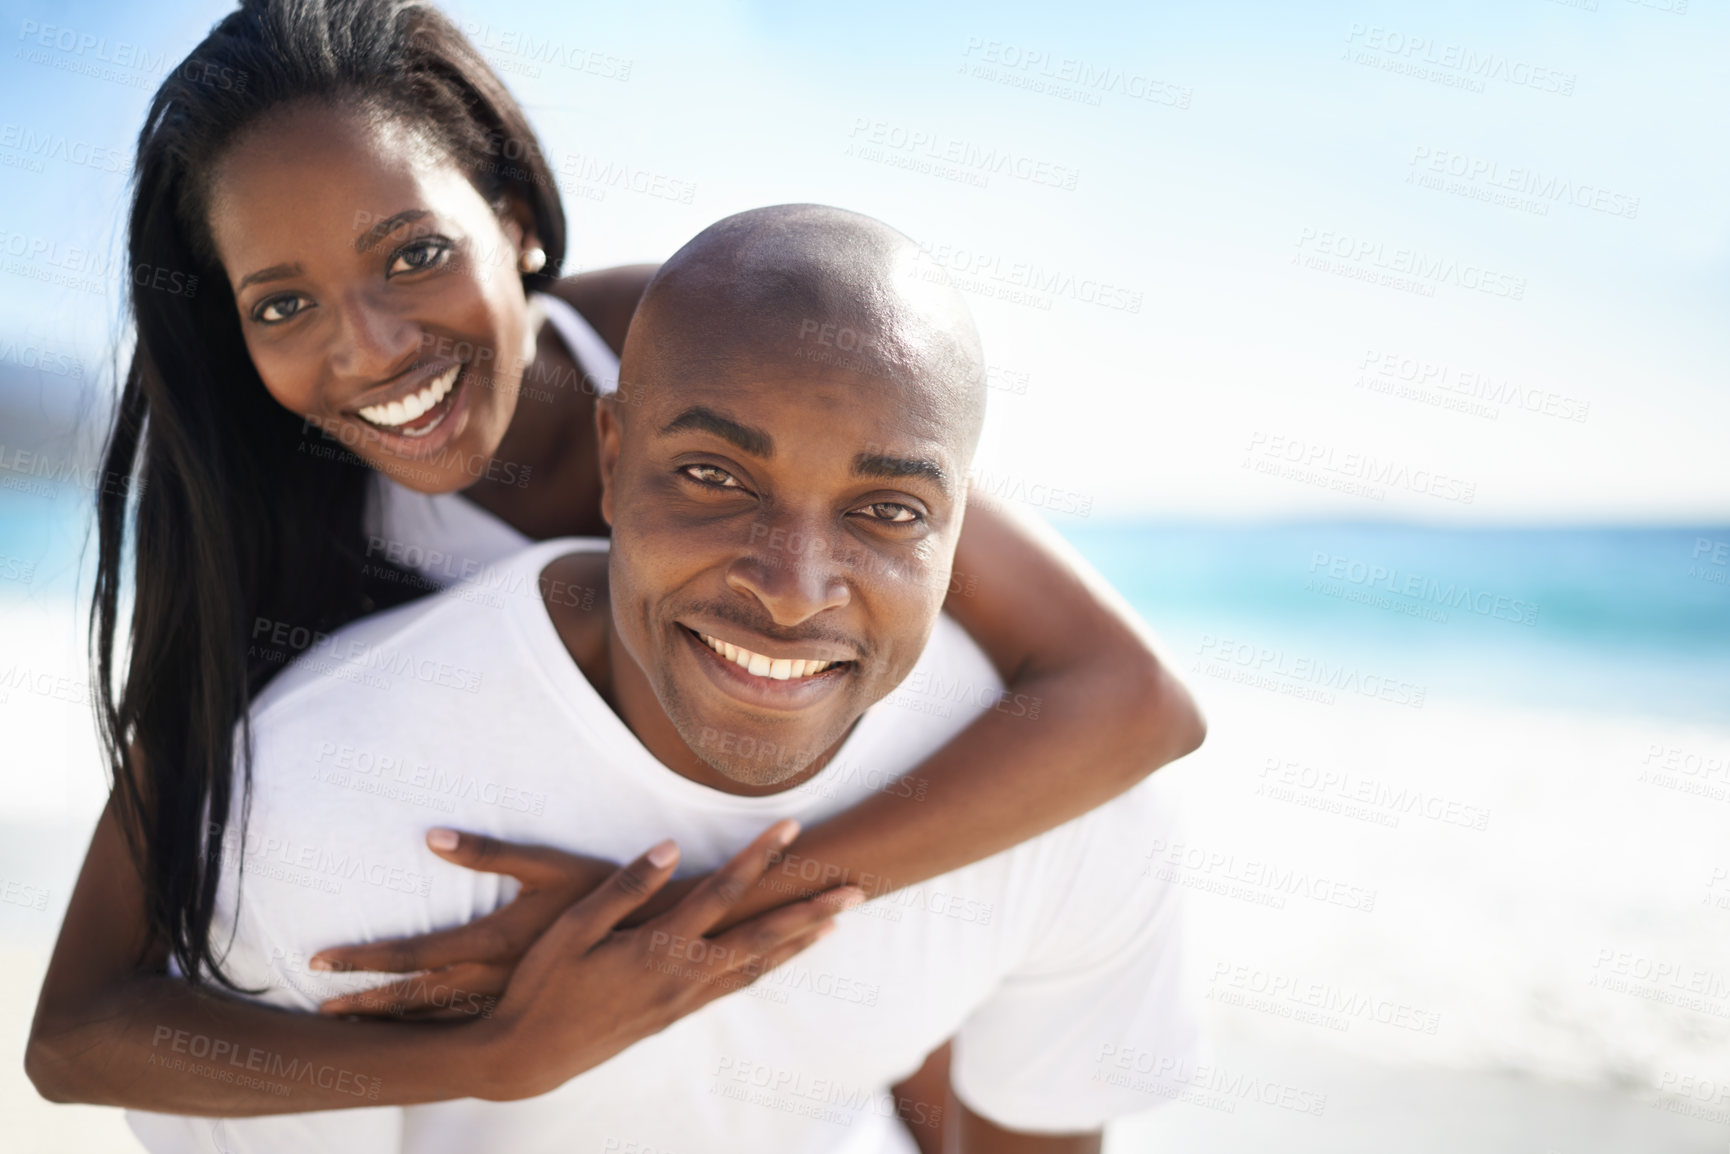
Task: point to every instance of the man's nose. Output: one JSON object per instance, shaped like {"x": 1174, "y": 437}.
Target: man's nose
{"x": 372, "y": 341}
{"x": 791, "y": 569}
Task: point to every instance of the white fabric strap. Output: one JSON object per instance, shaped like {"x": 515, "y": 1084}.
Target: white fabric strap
{"x": 593, "y": 356}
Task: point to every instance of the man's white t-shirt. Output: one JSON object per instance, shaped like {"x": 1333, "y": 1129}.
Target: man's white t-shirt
{"x": 1048, "y": 963}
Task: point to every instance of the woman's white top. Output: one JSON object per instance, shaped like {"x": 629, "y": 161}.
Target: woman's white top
{"x": 447, "y": 538}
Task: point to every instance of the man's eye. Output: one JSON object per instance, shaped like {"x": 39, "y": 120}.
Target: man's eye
{"x": 419, "y": 256}
{"x": 278, "y": 309}
{"x": 892, "y": 512}
{"x": 711, "y": 475}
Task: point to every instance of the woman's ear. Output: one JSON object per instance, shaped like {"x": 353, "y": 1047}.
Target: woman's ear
{"x": 518, "y": 222}
{"x": 607, "y": 433}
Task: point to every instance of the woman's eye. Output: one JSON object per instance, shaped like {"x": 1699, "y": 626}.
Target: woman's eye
{"x": 892, "y": 512}
{"x": 711, "y": 475}
{"x": 279, "y": 309}
{"x": 419, "y": 256}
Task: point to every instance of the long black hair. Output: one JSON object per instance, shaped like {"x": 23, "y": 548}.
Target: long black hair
{"x": 241, "y": 515}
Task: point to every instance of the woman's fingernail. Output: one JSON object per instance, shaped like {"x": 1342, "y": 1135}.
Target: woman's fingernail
{"x": 856, "y": 898}
{"x": 323, "y": 965}
{"x": 664, "y": 854}
{"x": 826, "y": 929}
{"x": 443, "y": 839}
{"x": 788, "y": 831}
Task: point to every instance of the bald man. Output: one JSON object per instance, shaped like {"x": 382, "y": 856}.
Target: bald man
{"x": 784, "y": 471}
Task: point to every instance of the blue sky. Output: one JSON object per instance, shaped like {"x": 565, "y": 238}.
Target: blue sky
{"x": 1359, "y": 260}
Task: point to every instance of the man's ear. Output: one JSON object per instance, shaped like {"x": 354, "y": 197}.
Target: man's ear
{"x": 607, "y": 433}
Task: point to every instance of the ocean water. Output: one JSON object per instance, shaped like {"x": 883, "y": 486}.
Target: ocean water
{"x": 1621, "y": 620}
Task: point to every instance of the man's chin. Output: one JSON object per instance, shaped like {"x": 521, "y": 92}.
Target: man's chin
{"x": 749, "y": 759}
{"x": 756, "y": 776}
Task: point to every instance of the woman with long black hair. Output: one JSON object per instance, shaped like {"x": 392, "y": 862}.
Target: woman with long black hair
{"x": 380, "y": 386}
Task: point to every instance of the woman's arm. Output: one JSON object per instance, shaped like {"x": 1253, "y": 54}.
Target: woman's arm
{"x": 607, "y": 297}
{"x": 113, "y": 1029}
{"x": 1089, "y": 711}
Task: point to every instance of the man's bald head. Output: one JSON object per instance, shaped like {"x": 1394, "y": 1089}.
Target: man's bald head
{"x": 805, "y": 286}
{"x": 784, "y": 468}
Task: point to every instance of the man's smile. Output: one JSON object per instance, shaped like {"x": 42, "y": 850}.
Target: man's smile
{"x": 768, "y": 674}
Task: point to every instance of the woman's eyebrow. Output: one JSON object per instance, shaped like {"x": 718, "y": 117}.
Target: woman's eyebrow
{"x": 385, "y": 227}
{"x": 274, "y": 272}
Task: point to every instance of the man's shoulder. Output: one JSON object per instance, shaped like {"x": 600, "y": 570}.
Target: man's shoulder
{"x": 334, "y": 662}
{"x": 431, "y": 641}
{"x": 1103, "y": 871}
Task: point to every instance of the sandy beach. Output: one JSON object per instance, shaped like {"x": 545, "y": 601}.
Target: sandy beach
{"x": 1370, "y": 1107}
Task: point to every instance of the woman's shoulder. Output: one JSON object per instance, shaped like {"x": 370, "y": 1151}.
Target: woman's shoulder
{"x": 606, "y": 297}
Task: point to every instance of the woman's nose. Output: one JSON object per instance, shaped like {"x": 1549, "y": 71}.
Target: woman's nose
{"x": 372, "y": 342}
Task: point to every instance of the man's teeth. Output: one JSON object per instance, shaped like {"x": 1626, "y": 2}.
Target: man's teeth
{"x": 403, "y": 411}
{"x": 779, "y": 668}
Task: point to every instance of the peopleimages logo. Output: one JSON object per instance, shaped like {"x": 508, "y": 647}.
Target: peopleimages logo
{"x": 1298, "y": 675}
{"x": 118, "y": 61}
{"x": 59, "y": 146}
{"x": 1544, "y": 187}
{"x": 1404, "y": 266}
{"x": 1066, "y": 77}
{"x": 1347, "y": 471}
{"x": 1470, "y": 391}
{"x": 1365, "y": 798}
{"x": 1336, "y": 1007}
{"x": 1455, "y": 64}
{"x": 1420, "y": 588}
{"x": 1020, "y": 282}
{"x": 882, "y": 141}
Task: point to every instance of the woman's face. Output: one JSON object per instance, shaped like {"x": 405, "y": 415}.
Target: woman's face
{"x": 378, "y": 291}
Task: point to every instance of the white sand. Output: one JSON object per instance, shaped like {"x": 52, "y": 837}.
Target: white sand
{"x": 1374, "y": 1108}
{"x": 1580, "y": 937}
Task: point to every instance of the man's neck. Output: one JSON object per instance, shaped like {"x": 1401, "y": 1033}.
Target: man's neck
{"x": 601, "y": 657}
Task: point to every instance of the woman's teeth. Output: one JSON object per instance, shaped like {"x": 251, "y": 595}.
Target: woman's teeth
{"x": 414, "y": 406}
{"x": 779, "y": 668}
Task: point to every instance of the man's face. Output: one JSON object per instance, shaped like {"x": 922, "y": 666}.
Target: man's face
{"x": 782, "y": 538}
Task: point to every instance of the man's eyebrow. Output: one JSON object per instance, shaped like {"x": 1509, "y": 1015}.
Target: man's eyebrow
{"x": 889, "y": 467}
{"x": 748, "y": 440}
{"x": 274, "y": 272}
{"x": 385, "y": 227}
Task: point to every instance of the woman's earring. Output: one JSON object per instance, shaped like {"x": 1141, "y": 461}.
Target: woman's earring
{"x": 532, "y": 260}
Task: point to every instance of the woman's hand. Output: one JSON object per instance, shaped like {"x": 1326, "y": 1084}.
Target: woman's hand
{"x": 474, "y": 960}
{"x": 586, "y": 990}
{"x": 461, "y": 971}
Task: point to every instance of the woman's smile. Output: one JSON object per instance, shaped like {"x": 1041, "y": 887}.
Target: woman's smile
{"x": 419, "y": 412}
{"x": 421, "y": 419}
